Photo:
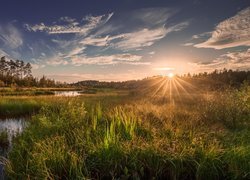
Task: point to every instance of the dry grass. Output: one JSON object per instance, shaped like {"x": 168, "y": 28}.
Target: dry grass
{"x": 197, "y": 137}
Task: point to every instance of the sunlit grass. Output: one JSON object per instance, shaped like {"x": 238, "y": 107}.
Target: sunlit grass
{"x": 197, "y": 138}
{"x": 17, "y": 107}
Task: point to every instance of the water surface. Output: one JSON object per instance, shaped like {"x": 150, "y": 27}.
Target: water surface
{"x": 13, "y": 127}
{"x": 67, "y": 93}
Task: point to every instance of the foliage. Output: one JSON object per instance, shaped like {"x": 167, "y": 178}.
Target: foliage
{"x": 147, "y": 138}
{"x": 11, "y": 107}
{"x": 4, "y": 142}
{"x": 218, "y": 79}
{"x": 18, "y": 73}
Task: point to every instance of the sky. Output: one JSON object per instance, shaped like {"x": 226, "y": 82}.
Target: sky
{"x": 74, "y": 40}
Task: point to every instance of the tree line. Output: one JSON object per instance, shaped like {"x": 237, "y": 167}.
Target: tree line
{"x": 217, "y": 79}
{"x": 17, "y": 73}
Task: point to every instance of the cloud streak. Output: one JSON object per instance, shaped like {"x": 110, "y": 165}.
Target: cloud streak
{"x": 134, "y": 40}
{"x": 74, "y": 77}
{"x": 10, "y": 36}
{"x": 70, "y": 25}
{"x": 108, "y": 59}
{"x": 100, "y": 40}
{"x": 231, "y": 32}
{"x": 232, "y": 60}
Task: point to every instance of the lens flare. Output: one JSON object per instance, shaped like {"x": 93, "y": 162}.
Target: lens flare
{"x": 170, "y": 75}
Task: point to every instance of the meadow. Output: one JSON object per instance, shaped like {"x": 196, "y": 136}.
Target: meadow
{"x": 17, "y": 91}
{"x": 176, "y": 135}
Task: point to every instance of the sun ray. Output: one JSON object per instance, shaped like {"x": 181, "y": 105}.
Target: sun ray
{"x": 149, "y": 88}
{"x": 176, "y": 89}
{"x": 158, "y": 89}
{"x": 184, "y": 90}
{"x": 188, "y": 84}
{"x": 166, "y": 88}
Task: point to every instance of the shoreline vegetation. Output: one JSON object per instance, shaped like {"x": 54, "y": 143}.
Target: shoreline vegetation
{"x": 195, "y": 138}
{"x": 192, "y": 127}
{"x": 23, "y": 91}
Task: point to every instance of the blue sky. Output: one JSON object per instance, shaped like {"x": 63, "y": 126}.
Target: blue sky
{"x": 120, "y": 40}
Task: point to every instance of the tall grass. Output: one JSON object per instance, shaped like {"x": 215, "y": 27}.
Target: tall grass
{"x": 25, "y": 92}
{"x": 11, "y": 107}
{"x": 201, "y": 139}
{"x": 4, "y": 142}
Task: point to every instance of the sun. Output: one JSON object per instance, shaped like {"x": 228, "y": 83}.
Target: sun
{"x": 170, "y": 75}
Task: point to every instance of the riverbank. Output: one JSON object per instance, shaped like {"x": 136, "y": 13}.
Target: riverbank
{"x": 33, "y": 91}
{"x": 196, "y": 137}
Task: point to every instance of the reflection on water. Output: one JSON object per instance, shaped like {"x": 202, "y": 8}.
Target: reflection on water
{"x": 67, "y": 93}
{"x": 13, "y": 127}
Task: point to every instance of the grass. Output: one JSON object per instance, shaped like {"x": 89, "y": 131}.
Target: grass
{"x": 25, "y": 91}
{"x": 4, "y": 141}
{"x": 198, "y": 137}
{"x": 51, "y": 91}
{"x": 33, "y": 91}
{"x": 14, "y": 107}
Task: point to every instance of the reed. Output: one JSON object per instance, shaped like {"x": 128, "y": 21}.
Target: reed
{"x": 77, "y": 138}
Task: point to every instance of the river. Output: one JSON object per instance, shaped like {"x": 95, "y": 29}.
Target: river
{"x": 12, "y": 127}
{"x": 67, "y": 93}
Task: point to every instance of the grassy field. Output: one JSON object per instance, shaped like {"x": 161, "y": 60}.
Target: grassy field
{"x": 184, "y": 136}
{"x": 18, "y": 107}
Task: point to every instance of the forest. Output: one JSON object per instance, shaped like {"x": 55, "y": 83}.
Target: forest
{"x": 217, "y": 79}
{"x": 17, "y": 73}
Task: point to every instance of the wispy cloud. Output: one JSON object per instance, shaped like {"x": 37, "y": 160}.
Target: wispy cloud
{"x": 188, "y": 44}
{"x": 141, "y": 38}
{"x": 3, "y": 53}
{"x": 77, "y": 50}
{"x": 69, "y": 20}
{"x": 108, "y": 59}
{"x": 231, "y": 60}
{"x": 154, "y": 16}
{"x": 78, "y": 60}
{"x": 111, "y": 37}
{"x": 37, "y": 66}
{"x": 231, "y": 32}
{"x": 10, "y": 36}
{"x": 151, "y": 25}
{"x": 95, "y": 41}
{"x": 74, "y": 77}
{"x": 134, "y": 40}
{"x": 146, "y": 37}
{"x": 55, "y": 61}
{"x": 70, "y": 25}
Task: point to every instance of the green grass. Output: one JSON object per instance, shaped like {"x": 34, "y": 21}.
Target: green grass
{"x": 51, "y": 91}
{"x": 17, "y": 106}
{"x": 12, "y": 107}
{"x": 117, "y": 137}
{"x": 4, "y": 142}
{"x": 33, "y": 91}
{"x": 25, "y": 92}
